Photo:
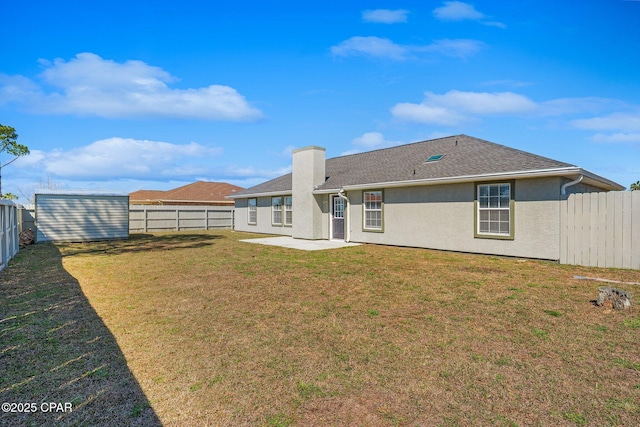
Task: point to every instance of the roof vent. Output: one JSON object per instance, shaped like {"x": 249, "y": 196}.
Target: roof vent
{"x": 434, "y": 158}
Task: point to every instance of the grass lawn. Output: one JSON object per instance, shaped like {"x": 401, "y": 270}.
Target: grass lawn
{"x": 201, "y": 329}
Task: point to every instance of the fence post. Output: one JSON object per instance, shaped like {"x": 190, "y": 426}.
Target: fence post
{"x": 2, "y": 237}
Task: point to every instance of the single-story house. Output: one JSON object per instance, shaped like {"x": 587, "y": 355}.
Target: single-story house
{"x": 198, "y": 193}
{"x": 457, "y": 193}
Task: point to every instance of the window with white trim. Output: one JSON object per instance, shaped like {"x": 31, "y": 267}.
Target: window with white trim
{"x": 252, "y": 211}
{"x": 372, "y": 210}
{"x": 276, "y": 210}
{"x": 288, "y": 210}
{"x": 494, "y": 209}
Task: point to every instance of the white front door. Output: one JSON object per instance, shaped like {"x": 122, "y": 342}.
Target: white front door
{"x": 337, "y": 217}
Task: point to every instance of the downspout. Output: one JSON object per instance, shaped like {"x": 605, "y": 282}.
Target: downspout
{"x": 347, "y": 217}
{"x": 563, "y": 192}
{"x": 563, "y": 189}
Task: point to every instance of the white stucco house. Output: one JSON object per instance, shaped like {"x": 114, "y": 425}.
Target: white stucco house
{"x": 457, "y": 193}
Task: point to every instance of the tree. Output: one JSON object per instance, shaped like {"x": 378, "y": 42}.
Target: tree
{"x": 9, "y": 196}
{"x": 9, "y": 144}
{"x": 48, "y": 184}
{"x": 635, "y": 186}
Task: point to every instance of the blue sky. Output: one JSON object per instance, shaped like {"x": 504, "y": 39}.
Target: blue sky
{"x": 121, "y": 96}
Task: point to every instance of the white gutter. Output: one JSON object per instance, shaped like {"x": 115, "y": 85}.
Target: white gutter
{"x": 347, "y": 217}
{"x": 563, "y": 189}
{"x": 252, "y": 195}
{"x": 567, "y": 171}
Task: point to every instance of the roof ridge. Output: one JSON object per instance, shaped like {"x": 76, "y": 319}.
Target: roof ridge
{"x": 526, "y": 153}
{"x": 401, "y": 145}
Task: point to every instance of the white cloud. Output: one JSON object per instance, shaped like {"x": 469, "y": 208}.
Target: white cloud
{"x": 457, "y": 11}
{"x": 370, "y": 141}
{"x": 623, "y": 138}
{"x": 422, "y": 113}
{"x": 507, "y": 82}
{"x": 461, "y": 11}
{"x": 91, "y": 85}
{"x": 566, "y": 106}
{"x": 385, "y": 16}
{"x": 455, "y": 107}
{"x": 123, "y": 158}
{"x": 376, "y": 47}
{"x": 625, "y": 122}
{"x": 459, "y": 48}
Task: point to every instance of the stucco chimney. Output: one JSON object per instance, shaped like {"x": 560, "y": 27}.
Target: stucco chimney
{"x": 308, "y": 171}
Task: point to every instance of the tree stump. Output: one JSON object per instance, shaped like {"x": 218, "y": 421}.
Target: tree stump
{"x": 27, "y": 237}
{"x": 621, "y": 300}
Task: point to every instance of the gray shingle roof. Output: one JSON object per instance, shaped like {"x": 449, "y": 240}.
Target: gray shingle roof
{"x": 463, "y": 156}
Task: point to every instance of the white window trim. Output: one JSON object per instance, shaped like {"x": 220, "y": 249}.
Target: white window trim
{"x": 508, "y": 209}
{"x": 252, "y": 209}
{"x": 287, "y": 208}
{"x": 276, "y": 208}
{"x": 365, "y": 210}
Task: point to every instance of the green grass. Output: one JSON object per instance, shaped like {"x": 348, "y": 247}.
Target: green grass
{"x": 201, "y": 329}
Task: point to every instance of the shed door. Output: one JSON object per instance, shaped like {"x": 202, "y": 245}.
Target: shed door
{"x": 337, "y": 218}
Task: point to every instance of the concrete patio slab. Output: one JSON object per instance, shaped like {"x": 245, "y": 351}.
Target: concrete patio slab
{"x": 302, "y": 244}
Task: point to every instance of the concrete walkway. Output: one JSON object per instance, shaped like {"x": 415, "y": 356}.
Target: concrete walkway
{"x": 305, "y": 245}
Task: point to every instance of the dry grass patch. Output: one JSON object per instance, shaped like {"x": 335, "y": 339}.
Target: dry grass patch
{"x": 55, "y": 349}
{"x": 220, "y": 332}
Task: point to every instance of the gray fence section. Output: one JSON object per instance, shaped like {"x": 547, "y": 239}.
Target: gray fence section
{"x": 27, "y": 218}
{"x": 601, "y": 229}
{"x": 150, "y": 218}
{"x": 9, "y": 239}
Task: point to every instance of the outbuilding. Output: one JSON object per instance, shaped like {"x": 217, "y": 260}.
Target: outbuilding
{"x": 81, "y": 216}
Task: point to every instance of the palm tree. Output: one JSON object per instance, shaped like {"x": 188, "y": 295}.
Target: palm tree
{"x": 635, "y": 186}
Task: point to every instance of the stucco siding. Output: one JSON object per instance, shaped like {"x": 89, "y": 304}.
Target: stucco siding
{"x": 263, "y": 218}
{"x": 442, "y": 217}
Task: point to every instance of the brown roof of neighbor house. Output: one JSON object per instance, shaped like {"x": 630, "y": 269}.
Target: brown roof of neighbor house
{"x": 200, "y": 191}
{"x": 462, "y": 156}
{"x": 146, "y": 195}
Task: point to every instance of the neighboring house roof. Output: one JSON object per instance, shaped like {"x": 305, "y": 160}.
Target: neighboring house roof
{"x": 146, "y": 195}
{"x": 464, "y": 159}
{"x": 200, "y": 191}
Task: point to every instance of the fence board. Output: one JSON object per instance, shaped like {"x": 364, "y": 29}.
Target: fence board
{"x": 594, "y": 243}
{"x": 150, "y": 218}
{"x": 8, "y": 232}
{"x": 585, "y": 233}
{"x": 601, "y": 229}
{"x": 635, "y": 229}
{"x": 626, "y": 232}
{"x": 618, "y": 229}
{"x": 563, "y": 232}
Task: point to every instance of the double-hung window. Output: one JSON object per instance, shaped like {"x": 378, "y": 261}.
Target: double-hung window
{"x": 372, "y": 210}
{"x": 252, "y": 211}
{"x": 288, "y": 210}
{"x": 276, "y": 210}
{"x": 494, "y": 210}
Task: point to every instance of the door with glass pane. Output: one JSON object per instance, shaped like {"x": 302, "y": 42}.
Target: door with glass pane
{"x": 337, "y": 218}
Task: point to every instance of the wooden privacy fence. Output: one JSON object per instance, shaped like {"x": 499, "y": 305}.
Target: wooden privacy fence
{"x": 150, "y": 218}
{"x": 601, "y": 229}
{"x": 8, "y": 232}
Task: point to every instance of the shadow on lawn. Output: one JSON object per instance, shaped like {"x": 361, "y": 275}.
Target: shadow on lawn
{"x": 143, "y": 242}
{"x": 54, "y": 348}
